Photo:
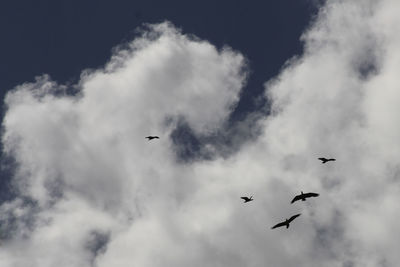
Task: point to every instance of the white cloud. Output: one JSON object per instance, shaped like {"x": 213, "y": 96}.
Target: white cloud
{"x": 107, "y": 197}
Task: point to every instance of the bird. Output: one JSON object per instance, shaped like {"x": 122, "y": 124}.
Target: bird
{"x": 246, "y": 199}
{"x": 286, "y": 222}
{"x": 303, "y": 196}
{"x": 152, "y": 137}
{"x": 324, "y": 160}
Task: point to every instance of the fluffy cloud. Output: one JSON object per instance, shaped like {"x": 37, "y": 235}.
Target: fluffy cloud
{"x": 93, "y": 192}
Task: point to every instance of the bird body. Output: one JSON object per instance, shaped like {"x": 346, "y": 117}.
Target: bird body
{"x": 303, "y": 196}
{"x": 325, "y": 160}
{"x": 246, "y": 199}
{"x": 286, "y": 222}
{"x": 152, "y": 137}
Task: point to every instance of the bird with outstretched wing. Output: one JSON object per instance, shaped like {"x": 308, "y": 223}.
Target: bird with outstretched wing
{"x": 152, "y": 137}
{"x": 303, "y": 196}
{"x": 325, "y": 160}
{"x": 286, "y": 222}
{"x": 246, "y": 199}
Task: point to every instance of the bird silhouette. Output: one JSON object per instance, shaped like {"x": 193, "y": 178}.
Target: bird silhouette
{"x": 152, "y": 137}
{"x": 303, "y": 196}
{"x": 286, "y": 222}
{"x": 246, "y": 199}
{"x": 324, "y": 160}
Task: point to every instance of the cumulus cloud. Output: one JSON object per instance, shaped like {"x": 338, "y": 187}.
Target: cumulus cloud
{"x": 93, "y": 192}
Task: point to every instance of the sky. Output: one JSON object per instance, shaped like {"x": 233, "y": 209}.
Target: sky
{"x": 61, "y": 39}
{"x": 86, "y": 189}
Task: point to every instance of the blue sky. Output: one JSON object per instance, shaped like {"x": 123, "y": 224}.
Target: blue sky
{"x": 63, "y": 38}
{"x": 245, "y": 98}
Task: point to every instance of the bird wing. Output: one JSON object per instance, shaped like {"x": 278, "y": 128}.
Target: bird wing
{"x": 295, "y": 199}
{"x": 310, "y": 195}
{"x": 323, "y": 159}
{"x": 294, "y": 217}
{"x": 244, "y": 198}
{"x": 278, "y": 225}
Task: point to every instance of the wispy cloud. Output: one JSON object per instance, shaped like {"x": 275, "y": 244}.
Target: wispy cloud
{"x": 95, "y": 192}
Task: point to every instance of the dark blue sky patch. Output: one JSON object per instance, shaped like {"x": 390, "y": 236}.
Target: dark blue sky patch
{"x": 7, "y": 171}
{"x": 63, "y": 38}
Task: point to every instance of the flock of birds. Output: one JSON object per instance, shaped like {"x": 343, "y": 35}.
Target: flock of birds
{"x": 302, "y": 196}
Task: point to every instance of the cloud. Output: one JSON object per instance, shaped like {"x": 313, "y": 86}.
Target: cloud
{"x": 95, "y": 193}
{"x": 84, "y": 156}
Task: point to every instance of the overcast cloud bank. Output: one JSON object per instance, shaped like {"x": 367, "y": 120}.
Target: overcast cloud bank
{"x": 93, "y": 192}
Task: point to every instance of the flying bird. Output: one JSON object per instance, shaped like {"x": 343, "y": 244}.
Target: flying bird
{"x": 246, "y": 199}
{"x": 303, "y": 196}
{"x": 286, "y": 222}
{"x": 324, "y": 160}
{"x": 152, "y": 137}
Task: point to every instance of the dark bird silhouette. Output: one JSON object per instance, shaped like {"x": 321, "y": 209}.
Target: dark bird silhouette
{"x": 152, "y": 137}
{"x": 303, "y": 196}
{"x": 286, "y": 222}
{"x": 246, "y": 199}
{"x": 324, "y": 160}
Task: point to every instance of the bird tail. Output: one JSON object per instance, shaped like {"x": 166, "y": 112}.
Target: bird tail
{"x": 287, "y": 226}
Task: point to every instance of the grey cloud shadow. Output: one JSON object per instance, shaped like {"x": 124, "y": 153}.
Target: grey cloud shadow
{"x": 96, "y": 243}
{"x": 330, "y": 241}
{"x": 14, "y": 226}
{"x": 368, "y": 60}
{"x": 223, "y": 142}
